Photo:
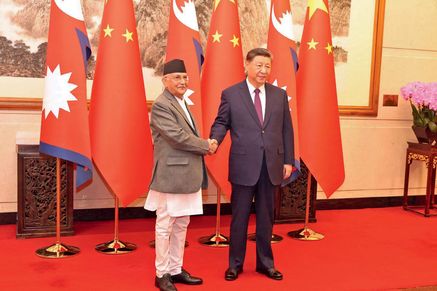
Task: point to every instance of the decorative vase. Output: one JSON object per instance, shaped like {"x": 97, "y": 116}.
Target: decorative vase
{"x": 421, "y": 134}
{"x": 432, "y": 136}
{"x": 424, "y": 135}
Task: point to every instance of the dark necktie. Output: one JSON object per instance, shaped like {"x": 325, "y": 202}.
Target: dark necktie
{"x": 257, "y": 103}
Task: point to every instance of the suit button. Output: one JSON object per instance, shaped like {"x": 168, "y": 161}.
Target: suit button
{"x": 262, "y": 131}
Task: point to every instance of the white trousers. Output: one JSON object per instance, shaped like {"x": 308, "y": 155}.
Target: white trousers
{"x": 170, "y": 234}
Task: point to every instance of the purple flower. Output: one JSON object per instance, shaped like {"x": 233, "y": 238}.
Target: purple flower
{"x": 423, "y": 99}
{"x": 421, "y": 94}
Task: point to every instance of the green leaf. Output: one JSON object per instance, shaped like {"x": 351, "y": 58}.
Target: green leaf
{"x": 432, "y": 126}
{"x": 417, "y": 117}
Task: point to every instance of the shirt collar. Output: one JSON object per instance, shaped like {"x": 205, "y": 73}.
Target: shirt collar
{"x": 252, "y": 88}
{"x": 181, "y": 101}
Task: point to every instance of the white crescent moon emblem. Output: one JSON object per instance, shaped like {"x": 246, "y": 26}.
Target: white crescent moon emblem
{"x": 188, "y": 15}
{"x": 285, "y": 25}
{"x": 72, "y": 8}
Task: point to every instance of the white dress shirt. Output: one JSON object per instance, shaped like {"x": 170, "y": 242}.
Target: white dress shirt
{"x": 177, "y": 204}
{"x": 185, "y": 109}
{"x": 262, "y": 96}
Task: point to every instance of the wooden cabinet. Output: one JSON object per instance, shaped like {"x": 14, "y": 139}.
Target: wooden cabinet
{"x": 291, "y": 200}
{"x": 36, "y": 215}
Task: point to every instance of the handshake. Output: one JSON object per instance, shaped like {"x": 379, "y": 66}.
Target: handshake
{"x": 213, "y": 145}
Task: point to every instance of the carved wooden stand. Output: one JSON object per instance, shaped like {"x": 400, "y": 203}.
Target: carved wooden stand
{"x": 36, "y": 215}
{"x": 428, "y": 154}
{"x": 291, "y": 199}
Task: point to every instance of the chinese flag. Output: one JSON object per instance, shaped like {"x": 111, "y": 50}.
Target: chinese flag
{"x": 223, "y": 67}
{"x": 319, "y": 126}
{"x": 284, "y": 65}
{"x": 121, "y": 141}
{"x": 64, "y": 122}
{"x": 183, "y": 43}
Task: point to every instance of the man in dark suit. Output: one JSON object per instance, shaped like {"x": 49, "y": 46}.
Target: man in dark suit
{"x": 257, "y": 115}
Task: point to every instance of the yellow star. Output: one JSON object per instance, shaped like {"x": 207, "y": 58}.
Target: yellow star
{"x": 108, "y": 30}
{"x": 235, "y": 41}
{"x": 216, "y": 3}
{"x": 216, "y": 36}
{"x": 313, "y": 5}
{"x": 329, "y": 48}
{"x": 312, "y": 44}
{"x": 128, "y": 35}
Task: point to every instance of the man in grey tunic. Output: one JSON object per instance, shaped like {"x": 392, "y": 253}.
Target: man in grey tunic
{"x": 178, "y": 176}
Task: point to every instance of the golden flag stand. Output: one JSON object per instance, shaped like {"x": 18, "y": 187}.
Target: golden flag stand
{"x": 306, "y": 233}
{"x": 116, "y": 246}
{"x": 217, "y": 239}
{"x": 58, "y": 250}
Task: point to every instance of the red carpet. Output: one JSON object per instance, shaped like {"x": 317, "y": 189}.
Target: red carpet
{"x": 367, "y": 249}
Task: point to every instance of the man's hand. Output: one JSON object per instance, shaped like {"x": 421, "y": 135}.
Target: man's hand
{"x": 288, "y": 169}
{"x": 213, "y": 145}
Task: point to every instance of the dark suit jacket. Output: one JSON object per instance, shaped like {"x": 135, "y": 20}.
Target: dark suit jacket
{"x": 250, "y": 139}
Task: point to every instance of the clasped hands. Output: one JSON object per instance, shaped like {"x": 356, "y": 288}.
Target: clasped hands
{"x": 213, "y": 145}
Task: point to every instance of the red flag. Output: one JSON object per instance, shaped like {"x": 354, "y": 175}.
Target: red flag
{"x": 284, "y": 64}
{"x": 121, "y": 141}
{"x": 223, "y": 67}
{"x": 319, "y": 126}
{"x": 64, "y": 122}
{"x": 183, "y": 42}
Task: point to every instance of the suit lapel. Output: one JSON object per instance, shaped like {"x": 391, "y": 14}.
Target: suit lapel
{"x": 192, "y": 119}
{"x": 179, "y": 109}
{"x": 247, "y": 100}
{"x": 268, "y": 108}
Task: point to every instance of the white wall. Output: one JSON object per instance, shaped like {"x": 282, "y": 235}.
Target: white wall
{"x": 374, "y": 148}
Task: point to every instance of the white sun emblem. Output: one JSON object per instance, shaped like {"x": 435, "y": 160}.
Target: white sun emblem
{"x": 275, "y": 83}
{"x": 57, "y": 92}
{"x": 187, "y": 95}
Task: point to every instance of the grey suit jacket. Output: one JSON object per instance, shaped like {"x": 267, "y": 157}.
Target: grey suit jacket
{"x": 178, "y": 150}
{"x": 251, "y": 140}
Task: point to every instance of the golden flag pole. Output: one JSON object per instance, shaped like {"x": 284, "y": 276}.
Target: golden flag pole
{"x": 306, "y": 233}
{"x": 58, "y": 250}
{"x": 116, "y": 246}
{"x": 217, "y": 239}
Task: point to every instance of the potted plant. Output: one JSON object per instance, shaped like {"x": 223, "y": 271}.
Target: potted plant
{"x": 423, "y": 99}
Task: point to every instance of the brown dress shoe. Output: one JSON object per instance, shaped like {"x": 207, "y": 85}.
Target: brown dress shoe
{"x": 272, "y": 273}
{"x": 164, "y": 283}
{"x": 185, "y": 278}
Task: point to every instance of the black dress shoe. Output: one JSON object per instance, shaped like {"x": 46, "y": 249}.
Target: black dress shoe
{"x": 231, "y": 274}
{"x": 185, "y": 278}
{"x": 164, "y": 283}
{"x": 272, "y": 273}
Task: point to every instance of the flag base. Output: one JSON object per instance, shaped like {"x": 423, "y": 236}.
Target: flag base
{"x": 57, "y": 251}
{"x": 275, "y": 238}
{"x": 305, "y": 234}
{"x": 216, "y": 240}
{"x": 116, "y": 247}
{"x": 152, "y": 244}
